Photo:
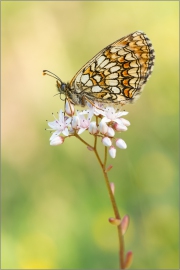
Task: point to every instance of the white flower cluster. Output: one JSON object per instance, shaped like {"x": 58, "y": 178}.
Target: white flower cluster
{"x": 110, "y": 123}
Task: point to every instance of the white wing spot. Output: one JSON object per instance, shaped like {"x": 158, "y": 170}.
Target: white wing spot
{"x": 133, "y": 81}
{"x": 84, "y": 78}
{"x": 133, "y": 71}
{"x": 115, "y": 90}
{"x": 104, "y": 63}
{"x": 122, "y": 52}
{"x": 97, "y": 78}
{"x": 89, "y": 83}
{"x": 133, "y": 64}
{"x": 93, "y": 67}
{"x": 111, "y": 64}
{"x": 100, "y": 60}
{"x": 112, "y": 76}
{"x": 96, "y": 89}
{"x": 129, "y": 57}
{"x": 113, "y": 69}
{"x": 114, "y": 49}
{"x": 78, "y": 77}
{"x": 112, "y": 82}
{"x": 139, "y": 43}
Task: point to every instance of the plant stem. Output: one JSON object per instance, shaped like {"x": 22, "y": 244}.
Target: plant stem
{"x": 112, "y": 198}
{"x": 117, "y": 215}
{"x": 114, "y": 205}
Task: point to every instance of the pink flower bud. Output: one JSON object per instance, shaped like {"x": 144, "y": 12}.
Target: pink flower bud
{"x": 119, "y": 127}
{"x": 93, "y": 128}
{"x": 57, "y": 141}
{"x": 103, "y": 128}
{"x": 106, "y": 141}
{"x": 112, "y": 151}
{"x": 121, "y": 144}
{"x": 69, "y": 108}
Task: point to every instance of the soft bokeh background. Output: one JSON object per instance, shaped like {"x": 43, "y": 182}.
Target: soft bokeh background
{"x": 55, "y": 206}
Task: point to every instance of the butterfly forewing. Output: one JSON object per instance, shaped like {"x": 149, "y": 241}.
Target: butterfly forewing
{"x": 118, "y": 72}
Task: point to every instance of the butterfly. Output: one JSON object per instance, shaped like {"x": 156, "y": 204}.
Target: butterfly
{"x": 116, "y": 75}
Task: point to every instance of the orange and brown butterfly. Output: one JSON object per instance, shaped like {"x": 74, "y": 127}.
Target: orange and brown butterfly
{"x": 114, "y": 76}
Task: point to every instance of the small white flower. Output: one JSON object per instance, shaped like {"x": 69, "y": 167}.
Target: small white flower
{"x": 106, "y": 141}
{"x": 96, "y": 109}
{"x": 112, "y": 151}
{"x": 80, "y": 122}
{"x": 121, "y": 144}
{"x": 60, "y": 126}
{"x": 110, "y": 114}
{"x": 57, "y": 141}
{"x": 84, "y": 121}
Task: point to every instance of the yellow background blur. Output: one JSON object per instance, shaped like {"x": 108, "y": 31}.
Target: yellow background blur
{"x": 55, "y": 206}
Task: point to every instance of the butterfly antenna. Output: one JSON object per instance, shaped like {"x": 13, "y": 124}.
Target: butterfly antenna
{"x": 56, "y": 94}
{"x": 51, "y": 74}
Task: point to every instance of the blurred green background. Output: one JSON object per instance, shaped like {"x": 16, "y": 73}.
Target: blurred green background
{"x": 55, "y": 206}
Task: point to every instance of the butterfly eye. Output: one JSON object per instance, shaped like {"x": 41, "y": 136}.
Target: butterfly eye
{"x": 63, "y": 87}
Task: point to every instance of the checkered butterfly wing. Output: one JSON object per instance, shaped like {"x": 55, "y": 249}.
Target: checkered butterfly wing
{"x": 118, "y": 72}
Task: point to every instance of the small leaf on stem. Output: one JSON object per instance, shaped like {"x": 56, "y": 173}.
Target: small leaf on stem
{"x": 90, "y": 148}
{"x": 112, "y": 187}
{"x": 128, "y": 260}
{"x": 124, "y": 224}
{"x": 109, "y": 168}
{"x": 114, "y": 221}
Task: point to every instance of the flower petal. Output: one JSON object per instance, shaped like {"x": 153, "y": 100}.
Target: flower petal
{"x": 65, "y": 132}
{"x": 54, "y": 135}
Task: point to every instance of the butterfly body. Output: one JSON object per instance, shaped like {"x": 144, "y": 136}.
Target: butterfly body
{"x": 116, "y": 75}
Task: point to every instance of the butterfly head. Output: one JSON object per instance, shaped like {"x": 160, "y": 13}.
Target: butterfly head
{"x": 61, "y": 87}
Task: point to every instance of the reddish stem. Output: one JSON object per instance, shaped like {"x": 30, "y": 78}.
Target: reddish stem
{"x": 112, "y": 198}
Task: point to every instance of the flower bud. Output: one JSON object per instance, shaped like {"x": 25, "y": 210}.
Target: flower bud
{"x": 110, "y": 132}
{"x": 121, "y": 144}
{"x": 93, "y": 128}
{"x": 119, "y": 127}
{"x": 69, "y": 108}
{"x": 112, "y": 151}
{"x": 106, "y": 141}
{"x": 57, "y": 141}
{"x": 103, "y": 128}
{"x": 125, "y": 122}
{"x": 75, "y": 122}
